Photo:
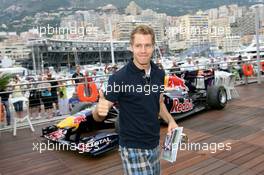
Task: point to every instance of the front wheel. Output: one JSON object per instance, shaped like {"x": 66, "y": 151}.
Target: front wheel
{"x": 216, "y": 97}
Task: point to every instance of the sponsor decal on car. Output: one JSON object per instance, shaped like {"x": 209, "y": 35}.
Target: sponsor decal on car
{"x": 79, "y": 119}
{"x": 95, "y": 145}
{"x": 56, "y": 135}
{"x": 179, "y": 107}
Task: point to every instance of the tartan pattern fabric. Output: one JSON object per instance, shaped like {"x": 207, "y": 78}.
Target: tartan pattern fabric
{"x": 140, "y": 161}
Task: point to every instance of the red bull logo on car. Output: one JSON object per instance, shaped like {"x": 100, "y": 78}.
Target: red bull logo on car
{"x": 79, "y": 119}
{"x": 179, "y": 107}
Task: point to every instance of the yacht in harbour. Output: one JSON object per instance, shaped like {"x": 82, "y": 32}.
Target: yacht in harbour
{"x": 250, "y": 52}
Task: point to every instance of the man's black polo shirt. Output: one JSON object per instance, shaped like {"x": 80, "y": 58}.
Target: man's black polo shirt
{"x": 138, "y": 99}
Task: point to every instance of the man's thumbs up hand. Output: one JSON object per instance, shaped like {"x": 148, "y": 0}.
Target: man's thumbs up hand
{"x": 103, "y": 105}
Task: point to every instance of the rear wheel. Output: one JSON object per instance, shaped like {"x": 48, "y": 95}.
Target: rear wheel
{"x": 216, "y": 97}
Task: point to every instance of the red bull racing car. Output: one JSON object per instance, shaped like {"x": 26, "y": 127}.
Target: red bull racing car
{"x": 197, "y": 92}
{"x": 194, "y": 92}
{"x": 81, "y": 132}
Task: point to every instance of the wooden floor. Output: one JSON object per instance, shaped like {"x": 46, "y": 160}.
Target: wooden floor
{"x": 240, "y": 124}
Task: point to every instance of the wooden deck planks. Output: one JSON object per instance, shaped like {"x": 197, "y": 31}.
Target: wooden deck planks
{"x": 240, "y": 123}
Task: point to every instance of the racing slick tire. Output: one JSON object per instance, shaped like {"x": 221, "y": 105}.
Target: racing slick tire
{"x": 216, "y": 97}
{"x": 79, "y": 107}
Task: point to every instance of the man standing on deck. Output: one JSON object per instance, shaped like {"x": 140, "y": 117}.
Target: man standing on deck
{"x": 138, "y": 87}
{"x": 78, "y": 75}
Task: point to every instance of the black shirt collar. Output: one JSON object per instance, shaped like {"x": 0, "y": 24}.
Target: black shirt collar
{"x": 132, "y": 67}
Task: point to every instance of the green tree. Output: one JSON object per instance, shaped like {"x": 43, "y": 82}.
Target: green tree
{"x": 4, "y": 80}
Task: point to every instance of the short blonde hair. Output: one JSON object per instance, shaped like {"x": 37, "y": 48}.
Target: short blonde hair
{"x": 144, "y": 30}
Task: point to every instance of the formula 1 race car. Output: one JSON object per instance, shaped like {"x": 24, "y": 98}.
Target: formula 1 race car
{"x": 182, "y": 98}
{"x": 194, "y": 92}
{"x": 82, "y": 133}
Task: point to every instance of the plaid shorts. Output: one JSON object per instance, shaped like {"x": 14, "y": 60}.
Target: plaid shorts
{"x": 140, "y": 161}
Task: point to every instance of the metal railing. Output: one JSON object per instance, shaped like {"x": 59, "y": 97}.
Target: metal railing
{"x": 29, "y": 86}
